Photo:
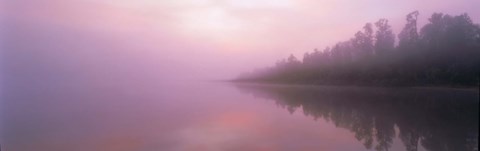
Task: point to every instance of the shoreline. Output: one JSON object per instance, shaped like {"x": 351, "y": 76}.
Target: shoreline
{"x": 470, "y": 88}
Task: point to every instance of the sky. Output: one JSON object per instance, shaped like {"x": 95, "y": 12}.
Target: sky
{"x": 187, "y": 39}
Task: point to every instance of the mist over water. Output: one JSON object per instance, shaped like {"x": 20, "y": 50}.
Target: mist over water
{"x": 220, "y": 116}
{"x": 137, "y": 76}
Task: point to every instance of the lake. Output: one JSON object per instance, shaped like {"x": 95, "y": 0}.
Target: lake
{"x": 208, "y": 116}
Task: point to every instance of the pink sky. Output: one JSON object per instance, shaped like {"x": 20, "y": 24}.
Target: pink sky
{"x": 211, "y": 39}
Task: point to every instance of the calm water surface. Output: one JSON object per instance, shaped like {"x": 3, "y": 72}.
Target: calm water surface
{"x": 237, "y": 117}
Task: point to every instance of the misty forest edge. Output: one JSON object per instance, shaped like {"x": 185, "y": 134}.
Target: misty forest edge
{"x": 444, "y": 52}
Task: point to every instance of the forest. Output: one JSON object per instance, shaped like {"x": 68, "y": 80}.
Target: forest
{"x": 444, "y": 52}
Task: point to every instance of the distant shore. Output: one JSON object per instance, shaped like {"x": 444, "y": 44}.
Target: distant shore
{"x": 457, "y": 87}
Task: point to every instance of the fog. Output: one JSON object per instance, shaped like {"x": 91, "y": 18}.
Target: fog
{"x": 55, "y": 40}
{"x": 136, "y": 75}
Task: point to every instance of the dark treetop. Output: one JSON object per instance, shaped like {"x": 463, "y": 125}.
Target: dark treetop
{"x": 446, "y": 51}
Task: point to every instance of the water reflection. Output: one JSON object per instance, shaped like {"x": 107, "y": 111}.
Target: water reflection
{"x": 217, "y": 117}
{"x": 437, "y": 119}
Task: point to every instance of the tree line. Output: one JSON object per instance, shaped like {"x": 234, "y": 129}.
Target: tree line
{"x": 445, "y": 51}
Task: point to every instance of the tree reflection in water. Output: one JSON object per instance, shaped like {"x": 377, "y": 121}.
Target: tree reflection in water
{"x": 436, "y": 118}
